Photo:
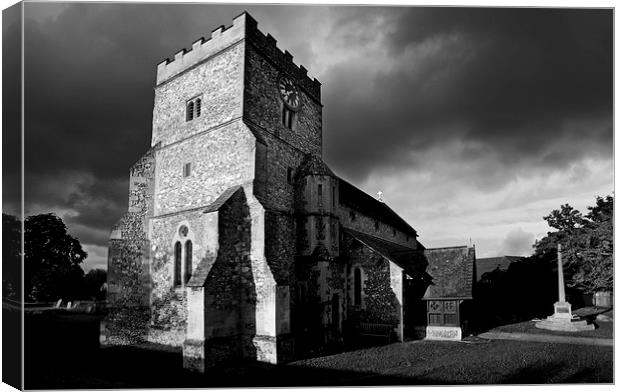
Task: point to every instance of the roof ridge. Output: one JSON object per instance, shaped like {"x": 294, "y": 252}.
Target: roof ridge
{"x": 222, "y": 199}
{"x": 378, "y": 238}
{"x": 313, "y": 164}
{"x": 399, "y": 221}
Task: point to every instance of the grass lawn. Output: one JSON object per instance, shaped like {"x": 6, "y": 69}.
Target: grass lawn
{"x": 62, "y": 352}
{"x": 603, "y": 330}
{"x": 491, "y": 362}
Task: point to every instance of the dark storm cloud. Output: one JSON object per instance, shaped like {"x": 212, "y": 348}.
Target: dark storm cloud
{"x": 11, "y": 103}
{"x": 90, "y": 72}
{"x": 513, "y": 80}
{"x": 526, "y": 87}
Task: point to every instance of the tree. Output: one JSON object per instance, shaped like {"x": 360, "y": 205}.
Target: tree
{"x": 603, "y": 210}
{"x": 52, "y": 259}
{"x": 566, "y": 219}
{"x": 592, "y": 249}
{"x": 11, "y": 256}
{"x": 587, "y": 244}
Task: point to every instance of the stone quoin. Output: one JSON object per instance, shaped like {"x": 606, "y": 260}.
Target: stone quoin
{"x": 241, "y": 243}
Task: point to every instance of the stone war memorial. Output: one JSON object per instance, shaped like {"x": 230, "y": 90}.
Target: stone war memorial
{"x": 240, "y": 243}
{"x": 563, "y": 318}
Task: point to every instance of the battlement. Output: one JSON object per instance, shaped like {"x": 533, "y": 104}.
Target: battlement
{"x": 243, "y": 27}
{"x": 266, "y": 44}
{"x": 221, "y": 38}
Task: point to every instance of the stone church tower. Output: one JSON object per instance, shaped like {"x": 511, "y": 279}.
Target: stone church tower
{"x": 239, "y": 242}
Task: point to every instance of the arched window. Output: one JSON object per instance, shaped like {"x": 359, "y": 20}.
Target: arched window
{"x": 357, "y": 286}
{"x": 190, "y": 111}
{"x": 177, "y": 264}
{"x": 289, "y": 175}
{"x": 288, "y": 116}
{"x": 188, "y": 260}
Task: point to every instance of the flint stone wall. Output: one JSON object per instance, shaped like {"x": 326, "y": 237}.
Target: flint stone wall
{"x": 128, "y": 260}
{"x": 219, "y": 160}
{"x": 366, "y": 224}
{"x": 263, "y": 105}
{"x": 218, "y": 82}
{"x": 168, "y": 303}
{"x": 380, "y": 303}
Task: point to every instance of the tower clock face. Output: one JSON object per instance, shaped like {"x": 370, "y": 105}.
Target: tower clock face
{"x": 289, "y": 92}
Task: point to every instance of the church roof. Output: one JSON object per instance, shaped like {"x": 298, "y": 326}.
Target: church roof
{"x": 489, "y": 264}
{"x": 219, "y": 202}
{"x": 256, "y": 131}
{"x": 452, "y": 272}
{"x": 354, "y": 197}
{"x": 314, "y": 165}
{"x": 200, "y": 273}
{"x": 408, "y": 259}
{"x": 368, "y": 205}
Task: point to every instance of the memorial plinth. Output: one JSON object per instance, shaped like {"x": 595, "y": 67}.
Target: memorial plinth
{"x": 562, "y": 318}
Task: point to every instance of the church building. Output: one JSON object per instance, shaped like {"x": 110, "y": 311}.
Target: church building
{"x": 240, "y": 243}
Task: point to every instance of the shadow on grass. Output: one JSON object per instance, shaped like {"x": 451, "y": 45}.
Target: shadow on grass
{"x": 154, "y": 367}
{"x": 62, "y": 352}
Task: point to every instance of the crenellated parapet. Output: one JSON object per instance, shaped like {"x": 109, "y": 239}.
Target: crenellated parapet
{"x": 266, "y": 44}
{"x": 221, "y": 38}
{"x": 243, "y": 27}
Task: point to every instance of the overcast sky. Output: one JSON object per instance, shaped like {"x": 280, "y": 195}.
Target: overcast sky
{"x": 474, "y": 122}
